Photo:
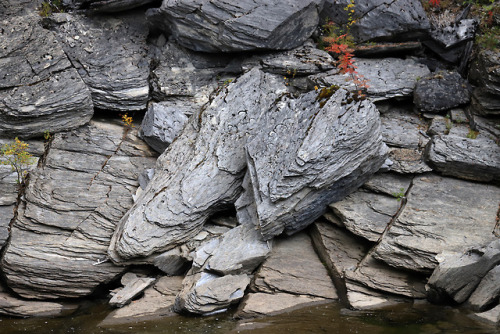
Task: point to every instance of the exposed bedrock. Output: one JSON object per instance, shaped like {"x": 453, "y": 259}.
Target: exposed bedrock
{"x": 228, "y": 26}
{"x": 301, "y": 154}
{"x": 70, "y": 210}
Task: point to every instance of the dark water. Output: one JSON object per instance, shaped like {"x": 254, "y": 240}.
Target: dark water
{"x": 331, "y": 318}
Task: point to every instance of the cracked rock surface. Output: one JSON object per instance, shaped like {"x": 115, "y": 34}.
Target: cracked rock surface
{"x": 227, "y": 26}
{"x": 110, "y": 55}
{"x": 39, "y": 88}
{"x": 70, "y": 210}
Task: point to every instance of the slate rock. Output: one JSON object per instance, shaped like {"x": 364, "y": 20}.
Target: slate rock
{"x": 265, "y": 305}
{"x": 484, "y": 73}
{"x": 385, "y": 20}
{"x": 459, "y": 273}
{"x": 39, "y": 88}
{"x": 386, "y": 78}
{"x": 110, "y": 55}
{"x": 162, "y": 124}
{"x": 130, "y": 290}
{"x": 360, "y": 297}
{"x": 408, "y": 161}
{"x": 293, "y": 268}
{"x": 491, "y": 316}
{"x": 157, "y": 303}
{"x": 465, "y": 158}
{"x": 223, "y": 26}
{"x": 401, "y": 128}
{"x": 441, "y": 214}
{"x": 15, "y": 307}
{"x": 206, "y": 293}
{"x": 441, "y": 91}
{"x": 106, "y": 6}
{"x": 72, "y": 204}
{"x": 388, "y": 183}
{"x": 487, "y": 292}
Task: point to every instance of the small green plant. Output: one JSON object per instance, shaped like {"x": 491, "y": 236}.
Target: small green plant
{"x": 400, "y": 194}
{"x": 47, "y": 135}
{"x": 51, "y": 6}
{"x": 17, "y": 156}
{"x": 472, "y": 134}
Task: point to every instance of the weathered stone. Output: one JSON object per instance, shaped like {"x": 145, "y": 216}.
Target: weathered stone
{"x": 162, "y": 124}
{"x": 407, "y": 161}
{"x": 293, "y": 268}
{"x": 208, "y": 26}
{"x": 386, "y": 78}
{"x": 110, "y": 55}
{"x": 459, "y": 273}
{"x": 131, "y": 290}
{"x": 487, "y": 292}
{"x": 213, "y": 144}
{"x": 491, "y": 316}
{"x": 157, "y": 302}
{"x": 442, "y": 214}
{"x": 367, "y": 214}
{"x": 70, "y": 210}
{"x": 380, "y": 19}
{"x": 362, "y": 298}
{"x": 206, "y": 293}
{"x": 465, "y": 158}
{"x": 15, "y": 307}
{"x": 39, "y": 89}
{"x": 388, "y": 183}
{"x": 485, "y": 74}
{"x": 106, "y": 6}
{"x": 264, "y": 304}
{"x": 381, "y": 49}
{"x": 439, "y": 126}
{"x": 403, "y": 128}
{"x": 440, "y": 91}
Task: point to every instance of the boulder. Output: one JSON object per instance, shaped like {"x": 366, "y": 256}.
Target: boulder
{"x": 386, "y": 78}
{"x": 39, "y": 89}
{"x": 131, "y": 289}
{"x": 473, "y": 159}
{"x": 441, "y": 214}
{"x": 487, "y": 292}
{"x": 222, "y": 26}
{"x": 110, "y": 55}
{"x": 284, "y": 272}
{"x": 440, "y": 91}
{"x": 162, "y": 124}
{"x": 15, "y": 307}
{"x": 207, "y": 162}
{"x": 386, "y": 20}
{"x": 71, "y": 206}
{"x": 265, "y": 305}
{"x": 157, "y": 303}
{"x": 206, "y": 293}
{"x": 485, "y": 75}
{"x": 459, "y": 273}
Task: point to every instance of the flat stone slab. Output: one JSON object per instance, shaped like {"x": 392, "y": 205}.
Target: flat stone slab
{"x": 39, "y": 90}
{"x": 442, "y": 214}
{"x": 264, "y": 304}
{"x": 131, "y": 289}
{"x": 70, "y": 210}
{"x": 487, "y": 292}
{"x": 491, "y": 316}
{"x": 15, "y": 307}
{"x": 386, "y": 78}
{"x": 286, "y": 272}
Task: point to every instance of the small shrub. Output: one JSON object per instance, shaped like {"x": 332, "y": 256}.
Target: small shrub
{"x": 399, "y": 195}
{"x": 51, "y": 6}
{"x": 472, "y": 134}
{"x": 17, "y": 156}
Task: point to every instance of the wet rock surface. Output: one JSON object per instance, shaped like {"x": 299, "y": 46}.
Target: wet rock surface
{"x": 39, "y": 88}
{"x": 70, "y": 210}
{"x": 224, "y": 26}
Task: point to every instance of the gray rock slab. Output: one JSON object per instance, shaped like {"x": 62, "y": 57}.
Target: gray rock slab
{"x": 110, "y": 55}
{"x": 455, "y": 34}
{"x": 360, "y": 297}
{"x": 440, "y": 91}
{"x": 264, "y": 304}
{"x": 162, "y": 123}
{"x": 207, "y": 26}
{"x": 367, "y": 214}
{"x": 157, "y": 303}
{"x": 408, "y": 161}
{"x": 71, "y": 207}
{"x": 439, "y": 126}
{"x": 294, "y": 268}
{"x": 465, "y": 158}
{"x": 401, "y": 127}
{"x": 487, "y": 292}
{"x": 442, "y": 214}
{"x": 386, "y": 78}
{"x": 485, "y": 75}
{"x": 206, "y": 293}
{"x": 459, "y": 273}
{"x": 193, "y": 179}
{"x": 15, "y": 307}
{"x": 388, "y": 183}
{"x": 39, "y": 89}
{"x": 131, "y": 290}
{"x": 491, "y": 316}
{"x": 381, "y": 19}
